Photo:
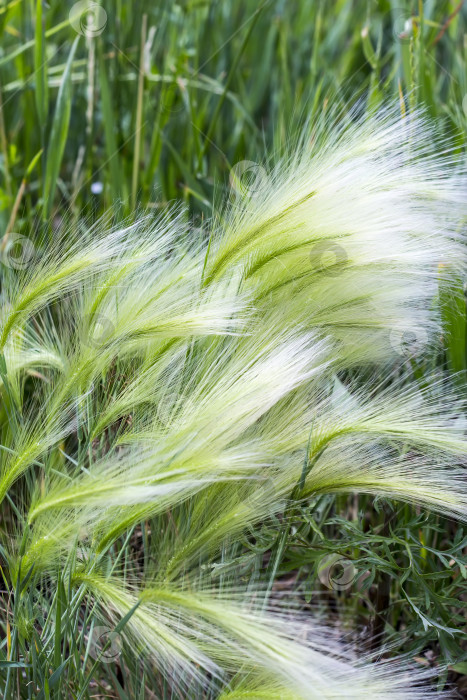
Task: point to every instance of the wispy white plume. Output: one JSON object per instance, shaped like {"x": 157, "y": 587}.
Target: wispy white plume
{"x": 144, "y": 372}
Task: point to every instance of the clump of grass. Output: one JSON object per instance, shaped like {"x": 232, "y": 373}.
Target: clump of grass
{"x": 153, "y": 381}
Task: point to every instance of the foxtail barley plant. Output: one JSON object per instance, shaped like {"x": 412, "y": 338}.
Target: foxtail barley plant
{"x": 165, "y": 394}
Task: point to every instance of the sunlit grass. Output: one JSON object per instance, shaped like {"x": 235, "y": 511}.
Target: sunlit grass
{"x": 189, "y": 392}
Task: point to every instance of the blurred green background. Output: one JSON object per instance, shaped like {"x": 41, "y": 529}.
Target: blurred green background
{"x": 144, "y": 102}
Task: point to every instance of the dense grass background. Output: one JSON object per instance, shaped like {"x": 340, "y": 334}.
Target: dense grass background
{"x": 166, "y": 96}
{"x": 157, "y": 101}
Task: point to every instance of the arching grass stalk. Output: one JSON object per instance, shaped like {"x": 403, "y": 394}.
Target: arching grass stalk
{"x": 174, "y": 396}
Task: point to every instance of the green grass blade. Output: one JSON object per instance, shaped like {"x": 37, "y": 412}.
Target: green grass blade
{"x": 58, "y": 134}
